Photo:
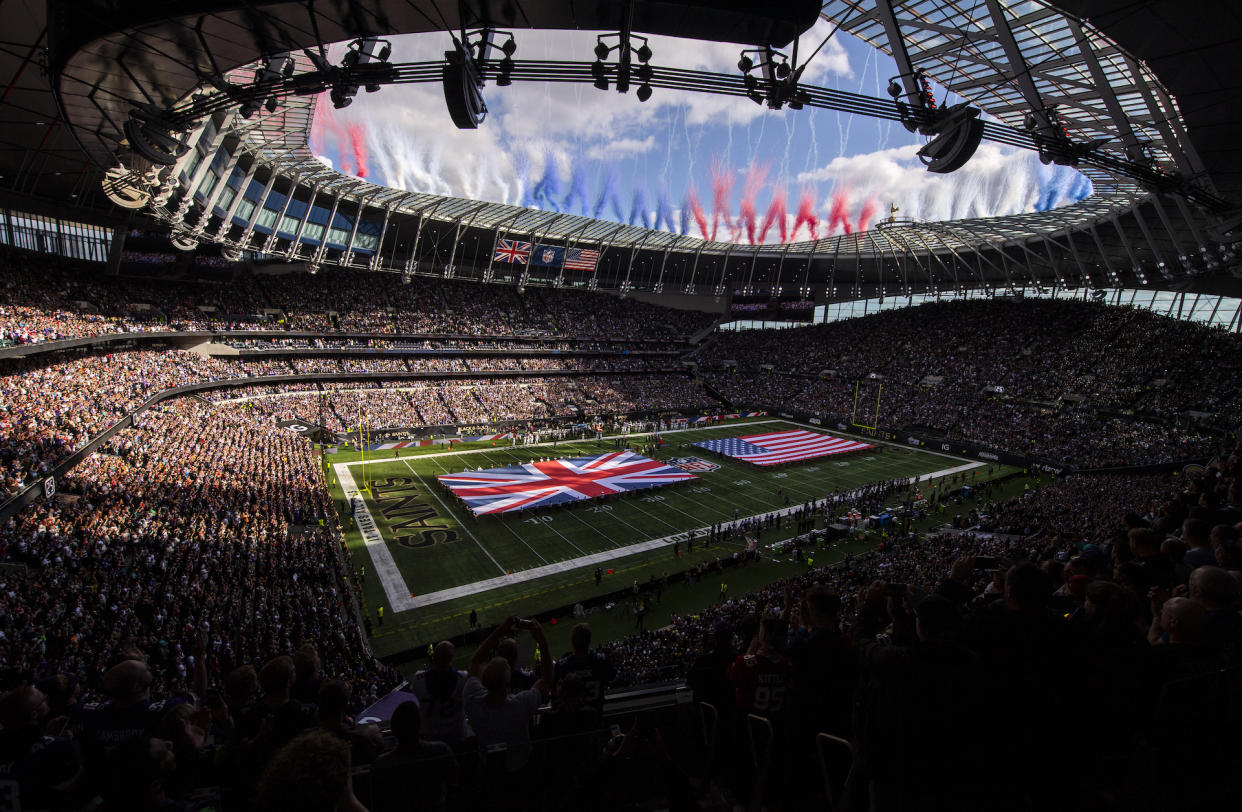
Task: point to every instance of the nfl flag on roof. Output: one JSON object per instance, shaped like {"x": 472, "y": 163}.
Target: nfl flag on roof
{"x": 554, "y": 482}
{"x": 512, "y": 251}
{"x": 782, "y": 446}
{"x": 552, "y": 256}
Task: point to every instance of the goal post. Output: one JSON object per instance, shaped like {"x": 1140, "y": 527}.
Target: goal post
{"x": 874, "y": 417}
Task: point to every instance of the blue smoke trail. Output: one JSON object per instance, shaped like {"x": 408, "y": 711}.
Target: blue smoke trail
{"x": 1082, "y": 188}
{"x": 521, "y": 169}
{"x": 547, "y": 191}
{"x": 1047, "y": 196}
{"x": 577, "y": 189}
{"x": 664, "y": 211}
{"x": 617, "y": 207}
{"x": 638, "y": 208}
{"x": 607, "y": 191}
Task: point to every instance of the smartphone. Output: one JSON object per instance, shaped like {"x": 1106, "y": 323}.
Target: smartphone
{"x": 986, "y": 562}
{"x": 524, "y": 623}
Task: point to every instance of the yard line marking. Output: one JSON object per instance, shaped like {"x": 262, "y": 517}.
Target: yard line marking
{"x": 449, "y": 514}
{"x": 502, "y": 524}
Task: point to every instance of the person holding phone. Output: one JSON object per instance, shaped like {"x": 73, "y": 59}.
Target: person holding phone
{"x": 497, "y": 716}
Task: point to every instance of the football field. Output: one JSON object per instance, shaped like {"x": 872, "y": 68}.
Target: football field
{"x": 429, "y": 561}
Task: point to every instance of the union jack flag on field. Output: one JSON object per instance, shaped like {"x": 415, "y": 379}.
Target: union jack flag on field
{"x": 782, "y": 446}
{"x": 553, "y": 482}
{"x": 512, "y": 251}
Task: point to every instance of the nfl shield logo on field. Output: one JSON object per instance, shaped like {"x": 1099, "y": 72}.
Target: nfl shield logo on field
{"x": 693, "y": 464}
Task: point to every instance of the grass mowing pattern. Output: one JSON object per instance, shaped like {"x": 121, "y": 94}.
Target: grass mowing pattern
{"x": 489, "y": 546}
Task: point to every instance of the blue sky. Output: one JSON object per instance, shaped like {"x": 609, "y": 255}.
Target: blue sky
{"x": 600, "y": 153}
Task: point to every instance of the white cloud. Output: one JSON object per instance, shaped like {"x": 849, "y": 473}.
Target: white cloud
{"x": 997, "y": 180}
{"x": 621, "y": 147}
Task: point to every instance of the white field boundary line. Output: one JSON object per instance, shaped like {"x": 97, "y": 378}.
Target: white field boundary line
{"x": 874, "y": 441}
{"x": 823, "y": 429}
{"x": 524, "y": 576}
{"x": 549, "y": 443}
{"x": 386, "y": 569}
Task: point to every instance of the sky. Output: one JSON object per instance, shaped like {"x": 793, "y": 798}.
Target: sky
{"x": 719, "y": 167}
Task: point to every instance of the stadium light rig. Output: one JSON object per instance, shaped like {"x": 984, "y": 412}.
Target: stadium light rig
{"x": 955, "y": 131}
{"x": 779, "y": 85}
{"x": 626, "y": 53}
{"x": 358, "y": 59}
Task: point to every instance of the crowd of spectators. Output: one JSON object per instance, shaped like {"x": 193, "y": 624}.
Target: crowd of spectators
{"x": 1109, "y": 598}
{"x": 1087, "y": 384}
{"x": 45, "y": 298}
{"x": 194, "y": 548}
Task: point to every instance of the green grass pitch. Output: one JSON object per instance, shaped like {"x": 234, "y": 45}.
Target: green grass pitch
{"x": 437, "y": 545}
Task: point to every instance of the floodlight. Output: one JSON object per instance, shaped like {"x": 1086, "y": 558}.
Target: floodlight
{"x": 644, "y": 92}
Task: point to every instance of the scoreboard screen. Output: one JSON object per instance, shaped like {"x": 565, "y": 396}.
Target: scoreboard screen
{"x": 789, "y": 307}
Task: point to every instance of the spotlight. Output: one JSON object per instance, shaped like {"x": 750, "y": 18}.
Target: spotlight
{"x": 510, "y": 46}
{"x": 601, "y": 78}
{"x": 894, "y": 89}
{"x": 463, "y": 89}
{"x": 183, "y": 242}
{"x": 601, "y": 51}
{"x": 125, "y": 188}
{"x": 644, "y": 92}
{"x": 644, "y": 53}
{"x": 745, "y": 63}
{"x": 782, "y": 70}
{"x": 151, "y": 136}
{"x": 505, "y": 78}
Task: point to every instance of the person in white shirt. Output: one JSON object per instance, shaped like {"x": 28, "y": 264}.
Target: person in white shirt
{"x": 496, "y": 716}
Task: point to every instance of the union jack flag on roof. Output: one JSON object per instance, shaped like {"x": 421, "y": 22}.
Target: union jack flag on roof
{"x": 512, "y": 251}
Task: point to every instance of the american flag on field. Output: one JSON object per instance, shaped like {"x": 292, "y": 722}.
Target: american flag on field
{"x": 553, "y": 482}
{"x": 512, "y": 251}
{"x": 782, "y": 446}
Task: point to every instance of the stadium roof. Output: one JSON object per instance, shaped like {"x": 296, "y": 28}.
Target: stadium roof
{"x": 984, "y": 50}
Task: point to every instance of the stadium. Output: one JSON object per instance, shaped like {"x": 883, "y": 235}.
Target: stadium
{"x": 647, "y": 405}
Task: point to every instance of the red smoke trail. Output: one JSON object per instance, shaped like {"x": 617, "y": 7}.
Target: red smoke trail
{"x": 722, "y": 185}
{"x": 839, "y": 214}
{"x": 692, "y": 200}
{"x": 358, "y": 142}
{"x": 325, "y": 117}
{"x": 776, "y": 213}
{"x": 869, "y": 210}
{"x": 806, "y": 214}
{"x": 755, "y": 176}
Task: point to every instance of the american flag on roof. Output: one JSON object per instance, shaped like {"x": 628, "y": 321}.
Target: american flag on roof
{"x": 581, "y": 259}
{"x": 512, "y": 251}
{"x": 782, "y": 446}
{"x": 553, "y": 482}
